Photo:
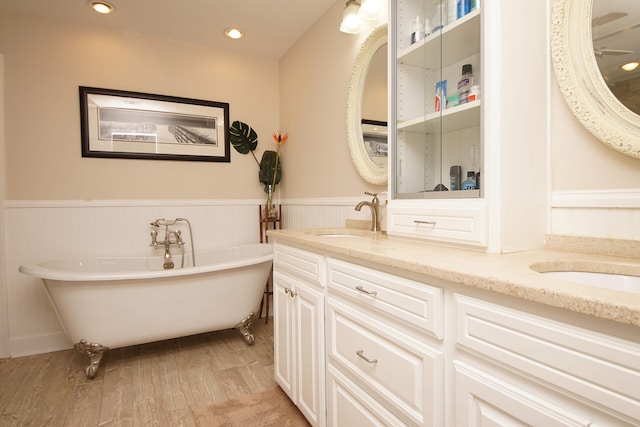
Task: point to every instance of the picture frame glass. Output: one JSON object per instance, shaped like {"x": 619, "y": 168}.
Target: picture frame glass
{"x": 146, "y": 126}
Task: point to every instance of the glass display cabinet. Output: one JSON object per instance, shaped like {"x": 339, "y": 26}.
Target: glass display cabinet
{"x": 438, "y": 150}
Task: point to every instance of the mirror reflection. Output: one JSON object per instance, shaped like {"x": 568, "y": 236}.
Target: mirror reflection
{"x": 616, "y": 45}
{"x": 367, "y": 108}
{"x": 374, "y": 109}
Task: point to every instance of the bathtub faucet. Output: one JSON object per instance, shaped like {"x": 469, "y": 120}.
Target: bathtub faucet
{"x": 171, "y": 237}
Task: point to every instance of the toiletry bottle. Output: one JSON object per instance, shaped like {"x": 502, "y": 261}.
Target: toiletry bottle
{"x": 438, "y": 17}
{"x": 416, "y": 35}
{"x": 451, "y": 12}
{"x": 470, "y": 182}
{"x": 474, "y": 93}
{"x": 465, "y": 84}
{"x": 455, "y": 173}
{"x": 463, "y": 7}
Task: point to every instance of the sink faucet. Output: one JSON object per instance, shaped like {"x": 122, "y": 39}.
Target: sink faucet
{"x": 373, "y": 206}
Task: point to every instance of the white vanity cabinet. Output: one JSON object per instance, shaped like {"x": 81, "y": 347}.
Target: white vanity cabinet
{"x": 298, "y": 299}
{"x": 380, "y": 364}
{"x": 530, "y": 370}
{"x": 499, "y": 137}
{"x": 358, "y": 345}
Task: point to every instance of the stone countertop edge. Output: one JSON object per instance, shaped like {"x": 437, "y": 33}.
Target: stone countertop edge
{"x": 509, "y": 274}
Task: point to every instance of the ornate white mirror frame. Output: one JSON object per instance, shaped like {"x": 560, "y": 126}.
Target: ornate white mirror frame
{"x": 369, "y": 171}
{"x": 581, "y": 82}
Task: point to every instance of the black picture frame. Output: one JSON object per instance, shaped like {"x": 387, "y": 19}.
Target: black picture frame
{"x": 135, "y": 125}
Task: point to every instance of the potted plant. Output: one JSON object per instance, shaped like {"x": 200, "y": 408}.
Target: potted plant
{"x": 245, "y": 140}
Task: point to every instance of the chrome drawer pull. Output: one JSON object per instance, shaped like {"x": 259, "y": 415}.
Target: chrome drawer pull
{"x": 364, "y": 291}
{"x": 360, "y": 353}
{"x": 418, "y": 222}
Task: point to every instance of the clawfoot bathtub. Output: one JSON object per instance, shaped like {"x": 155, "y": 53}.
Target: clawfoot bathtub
{"x": 107, "y": 303}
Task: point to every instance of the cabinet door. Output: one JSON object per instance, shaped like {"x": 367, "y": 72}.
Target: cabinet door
{"x": 436, "y": 141}
{"x": 299, "y": 344}
{"x": 283, "y": 334}
{"x": 486, "y": 401}
{"x": 309, "y": 330}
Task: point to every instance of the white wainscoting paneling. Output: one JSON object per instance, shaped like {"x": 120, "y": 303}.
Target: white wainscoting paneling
{"x": 38, "y": 230}
{"x": 606, "y": 214}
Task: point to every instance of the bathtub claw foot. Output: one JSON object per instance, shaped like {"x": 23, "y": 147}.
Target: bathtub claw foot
{"x": 95, "y": 352}
{"x": 244, "y": 327}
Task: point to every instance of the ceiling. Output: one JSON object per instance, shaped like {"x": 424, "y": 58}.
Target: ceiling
{"x": 271, "y": 26}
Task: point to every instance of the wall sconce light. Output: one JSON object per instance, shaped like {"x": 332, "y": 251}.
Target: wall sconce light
{"x": 372, "y": 9}
{"x": 351, "y": 21}
{"x": 358, "y": 10}
{"x": 101, "y": 6}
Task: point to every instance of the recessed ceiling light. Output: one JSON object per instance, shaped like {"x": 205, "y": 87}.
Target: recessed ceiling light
{"x": 233, "y": 33}
{"x": 630, "y": 66}
{"x": 101, "y": 6}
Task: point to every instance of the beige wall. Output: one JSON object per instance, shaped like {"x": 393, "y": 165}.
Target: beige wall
{"x": 314, "y": 81}
{"x": 305, "y": 95}
{"x": 579, "y": 161}
{"x": 46, "y": 61}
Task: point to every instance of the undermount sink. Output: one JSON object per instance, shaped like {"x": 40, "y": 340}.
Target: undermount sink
{"x": 617, "y": 282}
{"x": 336, "y": 233}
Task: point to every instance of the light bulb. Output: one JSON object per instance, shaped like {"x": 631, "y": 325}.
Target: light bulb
{"x": 372, "y": 9}
{"x": 101, "y": 7}
{"x": 351, "y": 18}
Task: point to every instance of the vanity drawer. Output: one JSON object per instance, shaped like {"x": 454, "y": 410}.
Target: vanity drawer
{"x": 406, "y": 374}
{"x": 465, "y": 226}
{"x": 302, "y": 264}
{"x": 414, "y": 303}
{"x": 602, "y": 369}
{"x": 349, "y": 405}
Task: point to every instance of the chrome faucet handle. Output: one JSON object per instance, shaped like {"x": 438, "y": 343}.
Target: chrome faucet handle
{"x": 154, "y": 239}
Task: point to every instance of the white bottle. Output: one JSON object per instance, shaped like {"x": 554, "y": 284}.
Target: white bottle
{"x": 438, "y": 17}
{"x": 451, "y": 12}
{"x": 416, "y": 34}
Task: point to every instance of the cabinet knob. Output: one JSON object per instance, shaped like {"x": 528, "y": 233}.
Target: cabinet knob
{"x": 360, "y": 354}
{"x": 364, "y": 291}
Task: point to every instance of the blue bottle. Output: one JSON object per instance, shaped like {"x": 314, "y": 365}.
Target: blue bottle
{"x": 470, "y": 182}
{"x": 462, "y": 8}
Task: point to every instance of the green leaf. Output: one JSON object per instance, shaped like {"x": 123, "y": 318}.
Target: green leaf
{"x": 267, "y": 165}
{"x": 243, "y": 138}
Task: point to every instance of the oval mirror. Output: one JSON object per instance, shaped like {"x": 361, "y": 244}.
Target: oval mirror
{"x": 367, "y": 108}
{"x": 574, "y": 50}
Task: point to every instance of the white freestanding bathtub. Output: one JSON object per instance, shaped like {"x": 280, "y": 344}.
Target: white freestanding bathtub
{"x": 107, "y": 303}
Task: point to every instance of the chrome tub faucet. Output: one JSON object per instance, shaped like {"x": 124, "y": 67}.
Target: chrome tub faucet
{"x": 373, "y": 206}
{"x": 171, "y": 237}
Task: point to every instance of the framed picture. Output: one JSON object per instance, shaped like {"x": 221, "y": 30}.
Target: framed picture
{"x": 132, "y": 125}
{"x": 374, "y": 136}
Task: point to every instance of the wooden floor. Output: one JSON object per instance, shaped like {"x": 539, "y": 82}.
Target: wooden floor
{"x": 157, "y": 384}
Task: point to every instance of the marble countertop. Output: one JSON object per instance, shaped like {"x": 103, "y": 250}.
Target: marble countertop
{"x": 509, "y": 274}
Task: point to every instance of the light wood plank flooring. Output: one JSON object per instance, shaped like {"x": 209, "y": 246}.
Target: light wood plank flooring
{"x": 157, "y": 384}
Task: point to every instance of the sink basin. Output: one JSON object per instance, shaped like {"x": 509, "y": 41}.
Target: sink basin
{"x": 618, "y": 282}
{"x": 336, "y": 233}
